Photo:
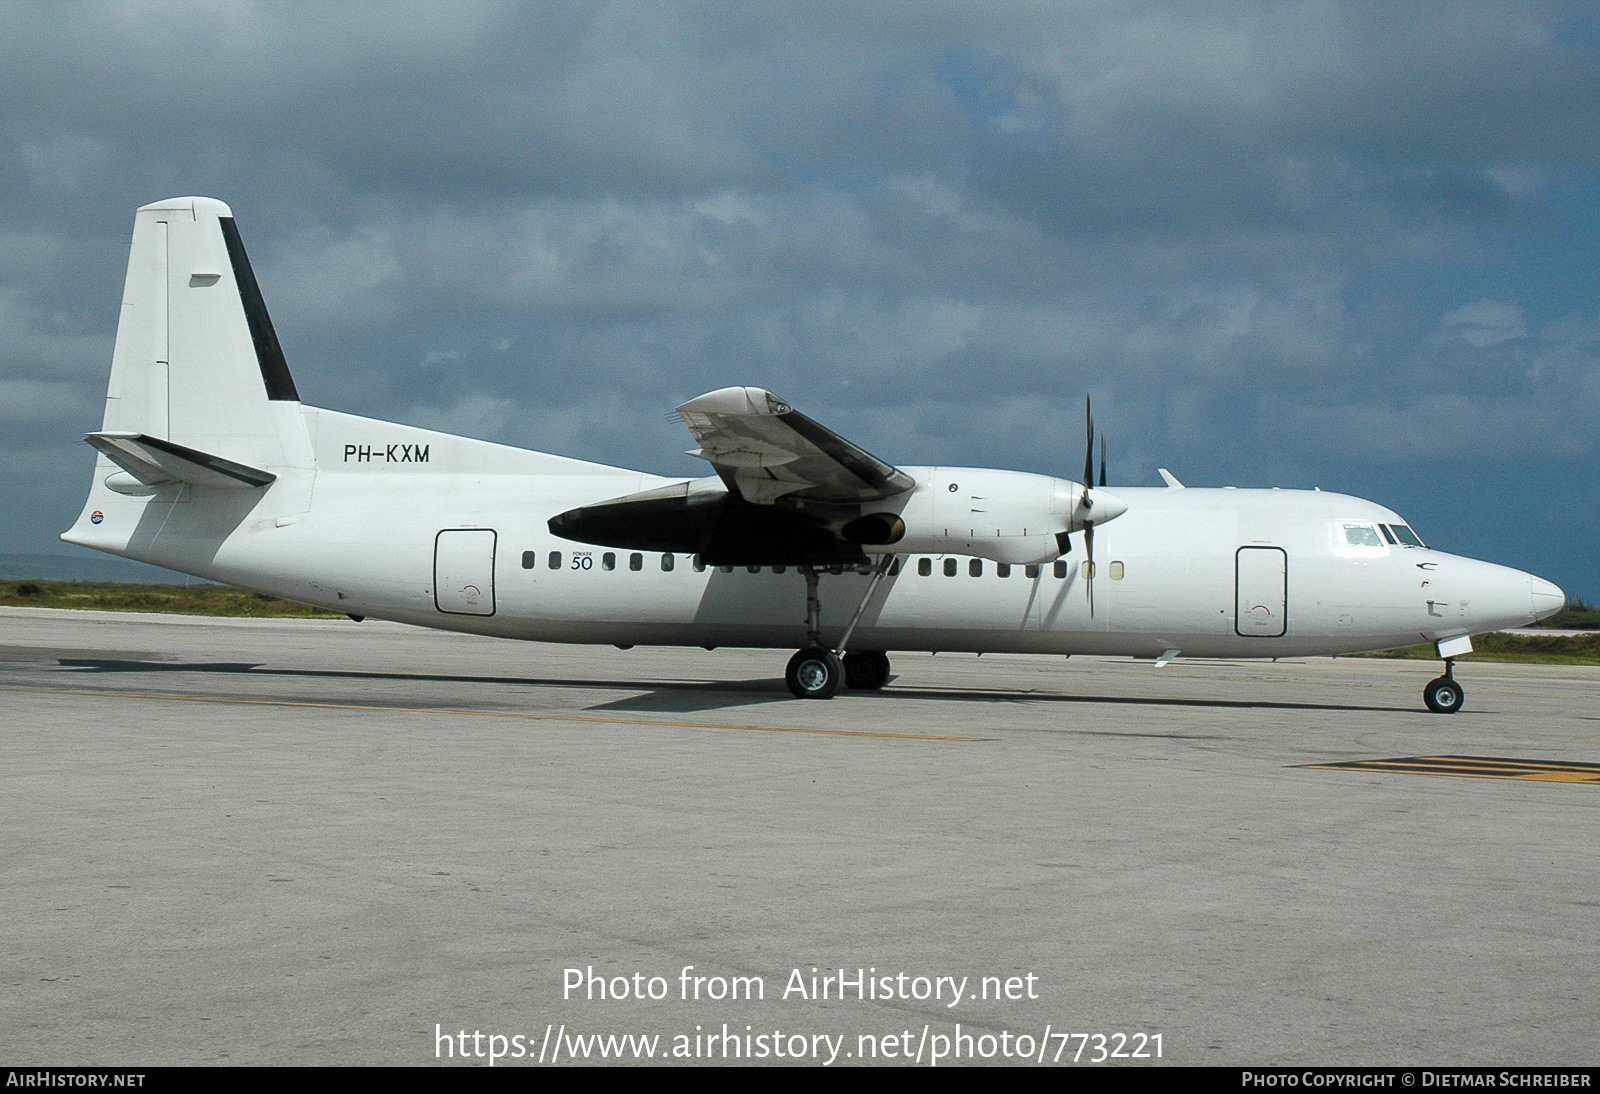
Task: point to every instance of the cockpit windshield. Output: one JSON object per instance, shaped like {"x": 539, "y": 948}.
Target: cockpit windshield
{"x": 1362, "y": 535}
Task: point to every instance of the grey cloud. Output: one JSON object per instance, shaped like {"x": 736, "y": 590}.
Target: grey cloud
{"x": 1486, "y": 323}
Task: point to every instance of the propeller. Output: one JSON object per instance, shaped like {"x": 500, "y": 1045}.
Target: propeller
{"x": 1093, "y": 506}
{"x": 1088, "y": 499}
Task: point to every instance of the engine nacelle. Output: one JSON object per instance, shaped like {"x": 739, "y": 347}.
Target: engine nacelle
{"x": 1007, "y": 516}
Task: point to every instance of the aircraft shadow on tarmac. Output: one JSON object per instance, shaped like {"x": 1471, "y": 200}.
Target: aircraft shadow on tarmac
{"x": 688, "y": 696}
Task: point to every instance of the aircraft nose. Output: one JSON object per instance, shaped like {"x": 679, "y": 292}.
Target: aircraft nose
{"x": 1548, "y": 599}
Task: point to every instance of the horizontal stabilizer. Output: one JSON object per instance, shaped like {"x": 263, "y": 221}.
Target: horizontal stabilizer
{"x": 155, "y": 462}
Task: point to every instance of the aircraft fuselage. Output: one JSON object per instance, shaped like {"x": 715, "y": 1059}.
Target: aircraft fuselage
{"x": 395, "y": 523}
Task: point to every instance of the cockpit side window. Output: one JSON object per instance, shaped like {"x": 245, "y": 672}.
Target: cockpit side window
{"x": 1407, "y": 536}
{"x": 1388, "y": 535}
{"x": 1362, "y": 535}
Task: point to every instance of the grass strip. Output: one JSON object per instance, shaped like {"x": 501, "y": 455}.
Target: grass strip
{"x": 202, "y": 599}
{"x": 1541, "y": 649}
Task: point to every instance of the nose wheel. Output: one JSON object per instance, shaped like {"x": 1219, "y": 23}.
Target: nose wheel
{"x": 1444, "y": 695}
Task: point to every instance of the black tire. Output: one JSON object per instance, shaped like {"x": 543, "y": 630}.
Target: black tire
{"x": 814, "y": 674}
{"x": 867, "y": 671}
{"x": 1443, "y": 695}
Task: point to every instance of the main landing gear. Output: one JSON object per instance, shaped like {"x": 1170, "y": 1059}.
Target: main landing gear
{"x": 866, "y": 671}
{"x": 817, "y": 671}
{"x": 814, "y": 673}
{"x": 1443, "y": 695}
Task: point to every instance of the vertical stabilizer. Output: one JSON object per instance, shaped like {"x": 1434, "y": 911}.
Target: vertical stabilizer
{"x": 203, "y": 431}
{"x": 197, "y": 361}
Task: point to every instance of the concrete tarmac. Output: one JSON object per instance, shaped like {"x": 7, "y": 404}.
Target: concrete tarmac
{"x": 314, "y": 842}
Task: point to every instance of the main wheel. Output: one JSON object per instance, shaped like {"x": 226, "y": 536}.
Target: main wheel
{"x": 1443, "y": 695}
{"x": 867, "y": 671}
{"x": 814, "y": 674}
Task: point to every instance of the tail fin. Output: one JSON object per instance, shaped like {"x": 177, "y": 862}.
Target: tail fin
{"x": 197, "y": 362}
{"x": 203, "y": 427}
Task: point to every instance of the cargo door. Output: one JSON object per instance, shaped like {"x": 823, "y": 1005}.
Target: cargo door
{"x": 463, "y": 571}
{"x": 1261, "y": 597}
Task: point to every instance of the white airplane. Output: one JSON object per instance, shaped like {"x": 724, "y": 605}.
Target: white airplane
{"x": 210, "y": 464}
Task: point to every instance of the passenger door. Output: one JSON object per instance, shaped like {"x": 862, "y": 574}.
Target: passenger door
{"x": 1261, "y": 592}
{"x": 463, "y": 571}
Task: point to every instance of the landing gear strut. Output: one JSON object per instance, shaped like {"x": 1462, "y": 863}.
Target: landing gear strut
{"x": 1443, "y": 695}
{"x": 816, "y": 671}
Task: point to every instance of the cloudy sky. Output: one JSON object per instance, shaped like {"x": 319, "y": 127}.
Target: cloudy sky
{"x": 1352, "y": 246}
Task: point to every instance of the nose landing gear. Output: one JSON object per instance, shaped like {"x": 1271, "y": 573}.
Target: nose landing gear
{"x": 1443, "y": 694}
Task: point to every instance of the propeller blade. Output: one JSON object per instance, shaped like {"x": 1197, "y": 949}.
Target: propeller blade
{"x": 1088, "y": 454}
{"x": 1102, "y": 458}
{"x": 1088, "y": 546}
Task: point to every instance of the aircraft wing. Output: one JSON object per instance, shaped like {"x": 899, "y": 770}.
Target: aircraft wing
{"x": 764, "y": 450}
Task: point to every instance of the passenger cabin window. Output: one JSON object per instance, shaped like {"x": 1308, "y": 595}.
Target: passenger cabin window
{"x": 1060, "y": 568}
{"x": 608, "y": 561}
{"x": 1030, "y": 571}
{"x": 668, "y": 562}
{"x": 975, "y": 567}
{"x": 699, "y": 565}
{"x": 1002, "y": 569}
{"x": 529, "y": 559}
{"x": 636, "y": 561}
{"x": 924, "y": 567}
{"x": 950, "y": 567}
{"x": 555, "y": 560}
{"x": 1116, "y": 571}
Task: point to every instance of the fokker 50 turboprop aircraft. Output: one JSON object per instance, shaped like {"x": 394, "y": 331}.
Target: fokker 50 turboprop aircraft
{"x": 210, "y": 464}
